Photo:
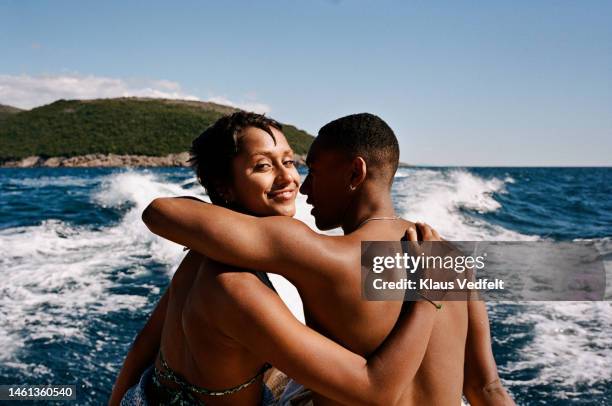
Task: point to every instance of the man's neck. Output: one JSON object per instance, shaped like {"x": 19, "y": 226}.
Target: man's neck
{"x": 368, "y": 205}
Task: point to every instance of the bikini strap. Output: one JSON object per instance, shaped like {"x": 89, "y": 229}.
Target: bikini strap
{"x": 170, "y": 375}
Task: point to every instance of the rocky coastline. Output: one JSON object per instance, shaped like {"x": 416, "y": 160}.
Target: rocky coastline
{"x": 108, "y": 161}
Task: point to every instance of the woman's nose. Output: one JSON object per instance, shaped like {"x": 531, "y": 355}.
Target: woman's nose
{"x": 284, "y": 175}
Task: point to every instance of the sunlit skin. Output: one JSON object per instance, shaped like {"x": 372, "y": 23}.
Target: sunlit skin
{"x": 406, "y": 370}
{"x": 323, "y": 268}
{"x": 325, "y": 173}
{"x": 199, "y": 323}
{"x": 265, "y": 181}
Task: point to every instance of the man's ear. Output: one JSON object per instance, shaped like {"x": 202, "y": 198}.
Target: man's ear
{"x": 359, "y": 171}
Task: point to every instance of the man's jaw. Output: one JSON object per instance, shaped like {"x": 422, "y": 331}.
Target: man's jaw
{"x": 319, "y": 222}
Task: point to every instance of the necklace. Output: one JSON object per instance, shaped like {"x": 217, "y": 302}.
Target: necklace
{"x": 376, "y": 218}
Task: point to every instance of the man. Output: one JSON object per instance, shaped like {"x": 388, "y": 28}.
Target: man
{"x": 352, "y": 163}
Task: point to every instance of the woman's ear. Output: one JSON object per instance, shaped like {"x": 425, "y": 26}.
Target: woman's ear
{"x": 359, "y": 170}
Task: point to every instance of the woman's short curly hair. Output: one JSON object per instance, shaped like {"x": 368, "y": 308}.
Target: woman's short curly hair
{"x": 213, "y": 150}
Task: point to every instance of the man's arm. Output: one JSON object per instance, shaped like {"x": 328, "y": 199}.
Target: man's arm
{"x": 481, "y": 385}
{"x": 312, "y": 359}
{"x": 142, "y": 353}
{"x": 275, "y": 244}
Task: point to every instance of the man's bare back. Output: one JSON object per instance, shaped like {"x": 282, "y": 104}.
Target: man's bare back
{"x": 326, "y": 272}
{"x": 336, "y": 309}
{"x": 333, "y": 306}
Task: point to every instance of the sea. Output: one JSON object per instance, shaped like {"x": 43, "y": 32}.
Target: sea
{"x": 79, "y": 272}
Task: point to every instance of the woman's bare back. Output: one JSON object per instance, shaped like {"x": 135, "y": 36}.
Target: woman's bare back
{"x": 193, "y": 342}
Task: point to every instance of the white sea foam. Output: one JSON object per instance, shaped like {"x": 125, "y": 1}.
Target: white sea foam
{"x": 55, "y": 272}
{"x": 55, "y": 275}
{"x": 439, "y": 198}
{"x": 66, "y": 268}
{"x": 571, "y": 341}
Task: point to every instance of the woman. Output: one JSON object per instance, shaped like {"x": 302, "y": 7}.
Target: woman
{"x": 248, "y": 167}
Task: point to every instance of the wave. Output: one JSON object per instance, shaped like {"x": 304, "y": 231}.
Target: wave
{"x": 562, "y": 344}
{"x": 55, "y": 272}
{"x": 58, "y": 276}
{"x": 73, "y": 269}
{"x": 445, "y": 198}
{"x": 570, "y": 343}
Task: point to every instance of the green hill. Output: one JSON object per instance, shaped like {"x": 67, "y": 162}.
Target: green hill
{"x": 7, "y": 111}
{"x": 125, "y": 126}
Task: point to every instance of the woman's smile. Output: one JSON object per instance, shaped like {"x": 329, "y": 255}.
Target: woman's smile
{"x": 283, "y": 195}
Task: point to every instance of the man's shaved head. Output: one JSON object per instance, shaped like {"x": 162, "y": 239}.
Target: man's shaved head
{"x": 364, "y": 135}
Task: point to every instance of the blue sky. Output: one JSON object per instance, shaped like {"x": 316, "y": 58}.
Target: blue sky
{"x": 461, "y": 82}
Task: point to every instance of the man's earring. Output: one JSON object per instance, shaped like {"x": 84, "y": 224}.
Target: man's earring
{"x": 352, "y": 188}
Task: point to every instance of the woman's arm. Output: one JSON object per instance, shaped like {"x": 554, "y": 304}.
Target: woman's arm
{"x": 481, "y": 385}
{"x": 258, "y": 319}
{"x": 277, "y": 244}
{"x": 142, "y": 352}
{"x": 316, "y": 361}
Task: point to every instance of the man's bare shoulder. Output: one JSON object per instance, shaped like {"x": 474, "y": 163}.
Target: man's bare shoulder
{"x": 384, "y": 230}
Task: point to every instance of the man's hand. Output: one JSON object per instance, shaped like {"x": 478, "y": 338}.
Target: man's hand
{"x": 423, "y": 241}
{"x": 422, "y": 232}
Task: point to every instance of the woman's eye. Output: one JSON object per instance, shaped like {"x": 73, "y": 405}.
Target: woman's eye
{"x": 262, "y": 167}
{"x": 289, "y": 162}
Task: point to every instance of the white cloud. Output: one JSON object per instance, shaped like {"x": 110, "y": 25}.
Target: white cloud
{"x": 27, "y": 91}
{"x": 255, "y": 107}
{"x": 167, "y": 84}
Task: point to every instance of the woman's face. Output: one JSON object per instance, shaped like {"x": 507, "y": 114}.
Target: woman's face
{"x": 265, "y": 180}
